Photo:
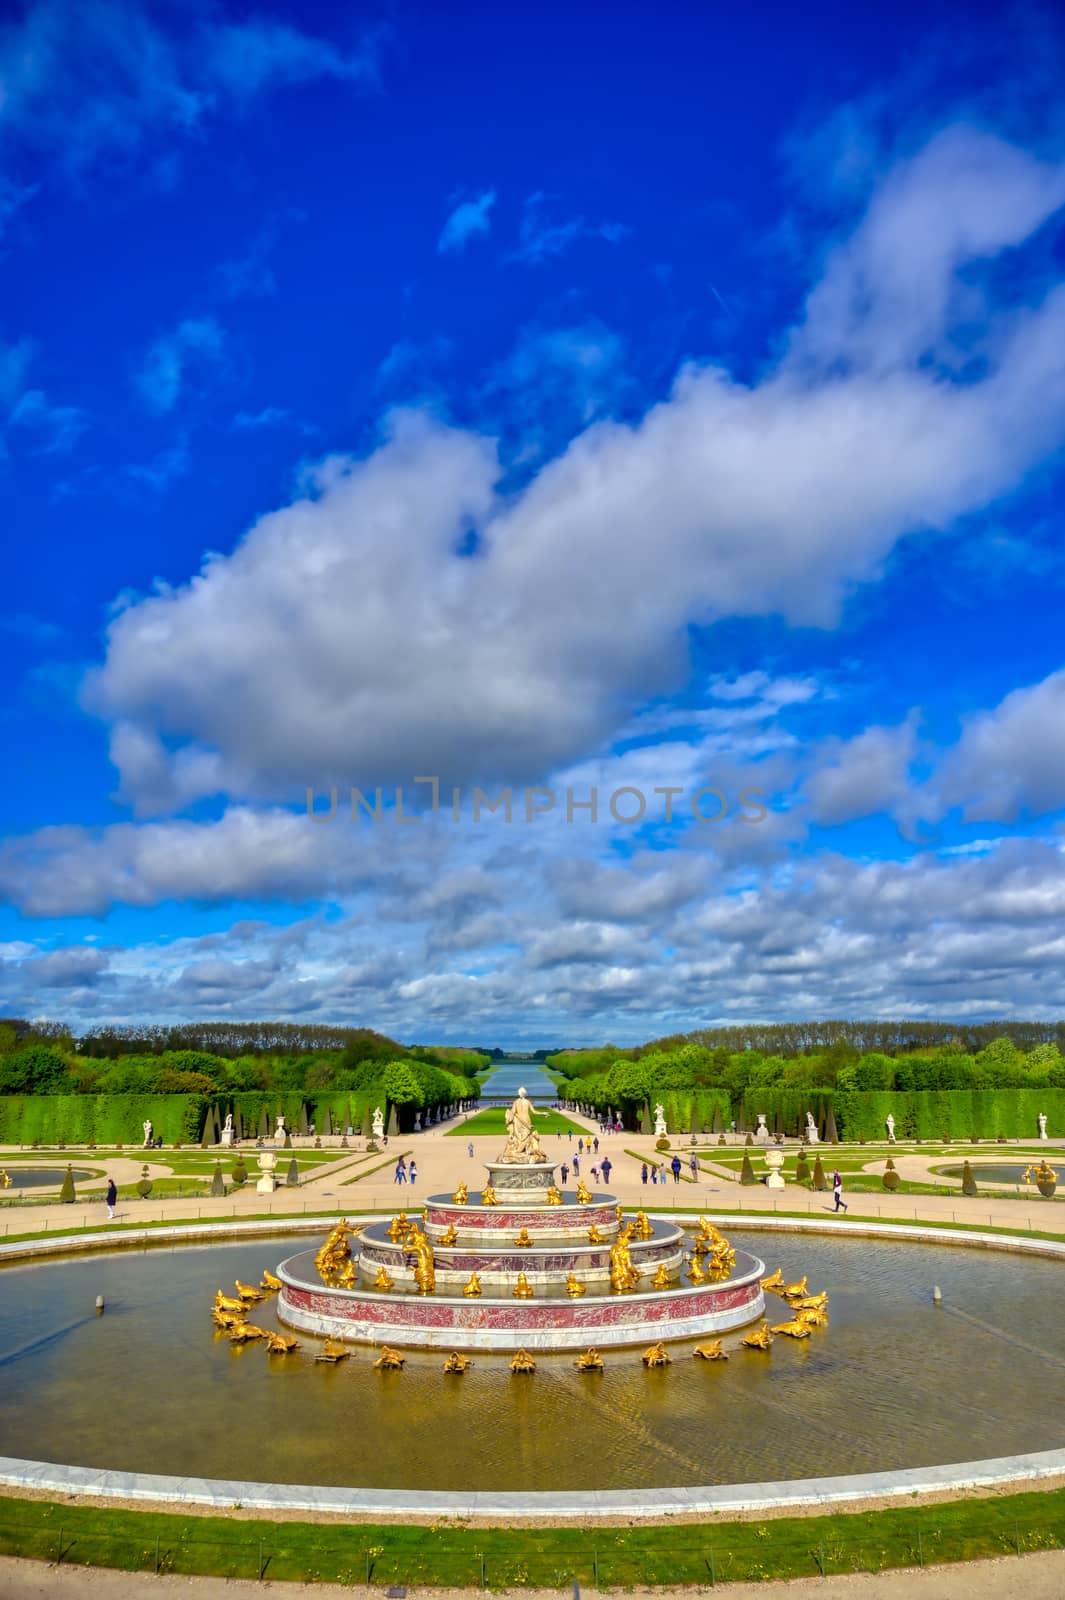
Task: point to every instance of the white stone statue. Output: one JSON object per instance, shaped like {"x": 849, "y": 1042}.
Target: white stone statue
{"x": 811, "y": 1129}
{"x": 147, "y": 1132}
{"x": 890, "y": 1128}
{"x": 227, "y": 1129}
{"x": 1042, "y": 1124}
{"x": 378, "y": 1123}
{"x": 660, "y": 1120}
{"x": 523, "y": 1144}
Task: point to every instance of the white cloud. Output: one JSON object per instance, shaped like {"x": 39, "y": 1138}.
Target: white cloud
{"x": 469, "y": 218}
{"x": 58, "y": 428}
{"x": 540, "y": 238}
{"x": 196, "y": 343}
{"x": 865, "y": 775}
{"x": 1010, "y": 759}
{"x": 346, "y": 640}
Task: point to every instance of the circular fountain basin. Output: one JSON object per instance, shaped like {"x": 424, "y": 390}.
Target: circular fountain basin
{"x": 43, "y": 1177}
{"x": 991, "y": 1171}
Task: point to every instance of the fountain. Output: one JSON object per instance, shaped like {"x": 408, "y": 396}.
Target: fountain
{"x": 523, "y": 1267}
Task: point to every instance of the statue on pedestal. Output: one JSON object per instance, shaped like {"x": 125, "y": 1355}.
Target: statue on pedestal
{"x": 891, "y": 1128}
{"x": 147, "y": 1132}
{"x": 280, "y": 1131}
{"x": 227, "y": 1129}
{"x": 1042, "y": 1125}
{"x": 523, "y": 1144}
{"x": 660, "y": 1121}
{"x": 378, "y": 1123}
{"x": 811, "y": 1129}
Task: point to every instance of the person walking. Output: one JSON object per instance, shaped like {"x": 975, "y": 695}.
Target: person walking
{"x": 401, "y": 1171}
{"x": 111, "y": 1199}
{"x": 469, "y": 1147}
{"x": 595, "y": 1145}
{"x": 569, "y": 1135}
{"x": 694, "y": 1164}
{"x": 580, "y": 1147}
{"x": 565, "y": 1174}
{"x": 605, "y": 1167}
{"x": 654, "y": 1173}
{"x": 643, "y": 1173}
{"x": 412, "y": 1171}
{"x": 576, "y": 1166}
{"x": 595, "y": 1174}
{"x": 675, "y": 1164}
{"x": 837, "y": 1192}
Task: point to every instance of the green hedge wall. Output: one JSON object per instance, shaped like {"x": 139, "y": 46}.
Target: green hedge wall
{"x": 930, "y": 1113}
{"x": 105, "y": 1119}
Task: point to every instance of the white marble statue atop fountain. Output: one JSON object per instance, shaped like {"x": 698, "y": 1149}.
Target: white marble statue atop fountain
{"x": 523, "y": 1142}
{"x": 1042, "y": 1125}
{"x": 660, "y": 1121}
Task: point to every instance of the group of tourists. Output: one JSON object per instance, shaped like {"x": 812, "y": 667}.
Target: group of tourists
{"x": 600, "y": 1171}
{"x": 656, "y": 1172}
{"x": 406, "y": 1172}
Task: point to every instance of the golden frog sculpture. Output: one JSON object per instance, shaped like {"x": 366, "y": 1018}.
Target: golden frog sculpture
{"x": 759, "y": 1339}
{"x": 644, "y": 1226}
{"x": 389, "y": 1360}
{"x": 554, "y": 1196}
{"x": 522, "y": 1289}
{"x": 333, "y": 1350}
{"x": 473, "y": 1286}
{"x": 656, "y": 1355}
{"x": 590, "y": 1361}
{"x": 523, "y": 1362}
{"x": 456, "y": 1363}
{"x": 813, "y": 1316}
{"x": 449, "y": 1236}
{"x": 461, "y": 1197}
{"x": 795, "y": 1329}
{"x": 661, "y": 1277}
{"x": 594, "y": 1236}
{"x": 400, "y": 1227}
{"x": 574, "y": 1287}
{"x": 488, "y": 1196}
{"x": 711, "y": 1351}
{"x": 383, "y": 1283}
{"x": 584, "y": 1195}
{"x": 523, "y": 1241}
{"x": 695, "y": 1271}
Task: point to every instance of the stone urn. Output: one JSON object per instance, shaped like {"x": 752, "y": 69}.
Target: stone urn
{"x": 774, "y": 1160}
{"x": 267, "y": 1181}
{"x": 761, "y": 1132}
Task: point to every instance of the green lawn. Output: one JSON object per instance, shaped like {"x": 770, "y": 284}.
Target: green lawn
{"x": 493, "y": 1120}
{"x": 451, "y": 1555}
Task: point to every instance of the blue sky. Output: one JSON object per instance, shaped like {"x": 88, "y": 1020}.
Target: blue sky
{"x": 531, "y": 400}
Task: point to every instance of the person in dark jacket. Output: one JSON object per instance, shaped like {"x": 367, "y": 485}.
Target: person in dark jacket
{"x": 111, "y": 1199}
{"x": 675, "y": 1164}
{"x": 643, "y": 1173}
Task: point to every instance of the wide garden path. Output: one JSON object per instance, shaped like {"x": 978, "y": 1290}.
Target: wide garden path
{"x": 358, "y": 1182}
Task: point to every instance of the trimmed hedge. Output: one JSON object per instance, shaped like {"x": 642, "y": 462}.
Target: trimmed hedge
{"x": 105, "y": 1119}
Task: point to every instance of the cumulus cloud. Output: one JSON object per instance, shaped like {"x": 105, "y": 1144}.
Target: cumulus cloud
{"x": 726, "y": 499}
{"x": 1010, "y": 759}
{"x": 469, "y": 218}
{"x": 862, "y": 776}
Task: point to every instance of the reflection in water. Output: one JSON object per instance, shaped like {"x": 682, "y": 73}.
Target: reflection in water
{"x": 43, "y": 1177}
{"x": 892, "y": 1381}
{"x": 506, "y": 1080}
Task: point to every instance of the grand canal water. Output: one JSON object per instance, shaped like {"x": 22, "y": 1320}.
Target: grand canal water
{"x": 894, "y": 1380}
{"x": 509, "y": 1076}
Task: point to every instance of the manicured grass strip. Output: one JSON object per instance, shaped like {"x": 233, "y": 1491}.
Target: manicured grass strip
{"x": 493, "y": 1120}
{"x": 452, "y": 1555}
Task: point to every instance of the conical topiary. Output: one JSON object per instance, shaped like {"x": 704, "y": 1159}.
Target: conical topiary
{"x": 968, "y": 1182}
{"x": 305, "y": 1126}
{"x": 327, "y": 1122}
{"x": 66, "y": 1193}
{"x": 891, "y": 1178}
{"x": 719, "y": 1121}
{"x": 367, "y": 1123}
{"x": 830, "y": 1126}
{"x": 292, "y": 1181}
{"x": 802, "y": 1168}
{"x": 218, "y": 1186}
{"x": 749, "y": 1140}
{"x": 747, "y": 1171}
{"x": 393, "y": 1123}
{"x": 819, "y": 1182}
{"x": 645, "y": 1120}
{"x": 721, "y": 1139}
{"x": 288, "y": 1141}
{"x": 264, "y": 1126}
{"x": 696, "y": 1121}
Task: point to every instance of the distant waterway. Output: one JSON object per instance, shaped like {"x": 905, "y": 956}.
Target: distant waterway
{"x": 510, "y": 1076}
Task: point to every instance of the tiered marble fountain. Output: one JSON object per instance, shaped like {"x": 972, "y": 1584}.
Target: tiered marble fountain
{"x": 523, "y": 1265}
